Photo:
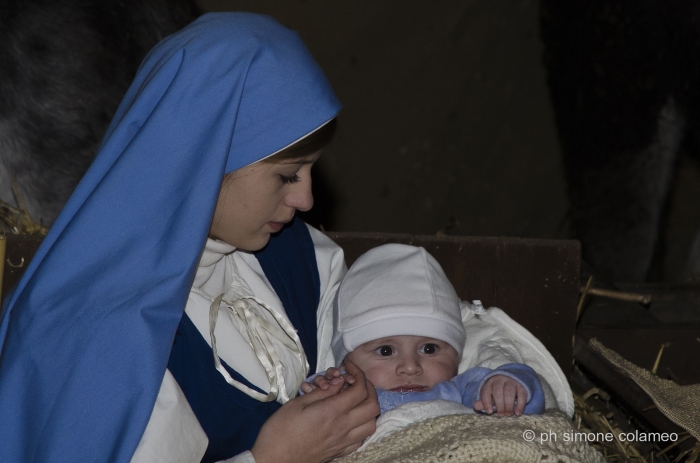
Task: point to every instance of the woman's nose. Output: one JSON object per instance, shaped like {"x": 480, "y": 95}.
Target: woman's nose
{"x": 409, "y": 365}
{"x": 300, "y": 196}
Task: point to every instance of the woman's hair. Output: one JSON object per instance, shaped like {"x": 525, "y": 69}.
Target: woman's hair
{"x": 308, "y": 145}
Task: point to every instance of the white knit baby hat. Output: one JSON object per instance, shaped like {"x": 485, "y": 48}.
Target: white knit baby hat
{"x": 394, "y": 290}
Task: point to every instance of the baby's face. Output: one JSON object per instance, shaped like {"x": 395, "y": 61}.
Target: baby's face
{"x": 406, "y": 363}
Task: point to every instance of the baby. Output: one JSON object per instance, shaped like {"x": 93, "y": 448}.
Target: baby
{"x": 398, "y": 319}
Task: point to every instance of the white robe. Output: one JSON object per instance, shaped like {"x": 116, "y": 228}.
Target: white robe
{"x": 173, "y": 433}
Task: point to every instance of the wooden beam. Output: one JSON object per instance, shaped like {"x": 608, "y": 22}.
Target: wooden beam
{"x": 641, "y": 345}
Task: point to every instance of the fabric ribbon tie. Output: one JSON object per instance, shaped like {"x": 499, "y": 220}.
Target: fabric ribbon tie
{"x": 249, "y": 320}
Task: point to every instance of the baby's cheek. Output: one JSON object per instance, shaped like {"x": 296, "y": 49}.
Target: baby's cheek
{"x": 448, "y": 376}
{"x": 378, "y": 377}
{"x": 451, "y": 370}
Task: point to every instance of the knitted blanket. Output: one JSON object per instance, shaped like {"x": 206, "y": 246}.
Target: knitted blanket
{"x": 478, "y": 438}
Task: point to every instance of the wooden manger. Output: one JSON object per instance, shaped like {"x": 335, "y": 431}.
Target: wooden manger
{"x": 538, "y": 284}
{"x": 535, "y": 281}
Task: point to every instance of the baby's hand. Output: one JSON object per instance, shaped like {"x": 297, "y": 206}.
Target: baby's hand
{"x": 508, "y": 395}
{"x": 332, "y": 376}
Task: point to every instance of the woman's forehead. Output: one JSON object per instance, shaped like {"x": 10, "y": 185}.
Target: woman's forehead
{"x": 303, "y": 160}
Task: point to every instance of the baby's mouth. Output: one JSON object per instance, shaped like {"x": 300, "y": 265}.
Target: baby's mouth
{"x": 409, "y": 388}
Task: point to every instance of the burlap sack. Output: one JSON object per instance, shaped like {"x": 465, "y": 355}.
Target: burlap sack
{"x": 679, "y": 403}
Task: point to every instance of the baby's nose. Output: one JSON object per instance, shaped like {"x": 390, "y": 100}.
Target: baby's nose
{"x": 409, "y": 365}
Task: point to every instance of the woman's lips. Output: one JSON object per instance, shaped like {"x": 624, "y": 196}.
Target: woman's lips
{"x": 409, "y": 388}
{"x": 276, "y": 226}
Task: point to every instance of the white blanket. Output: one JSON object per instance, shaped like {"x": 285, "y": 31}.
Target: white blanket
{"x": 494, "y": 339}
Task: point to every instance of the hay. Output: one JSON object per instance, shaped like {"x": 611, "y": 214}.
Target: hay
{"x": 598, "y": 420}
{"x": 19, "y": 222}
{"x": 593, "y": 412}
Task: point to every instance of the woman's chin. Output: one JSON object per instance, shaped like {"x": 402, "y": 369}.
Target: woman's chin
{"x": 256, "y": 244}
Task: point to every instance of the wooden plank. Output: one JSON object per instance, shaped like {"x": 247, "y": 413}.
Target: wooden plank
{"x": 535, "y": 281}
{"x": 624, "y": 391}
{"x": 641, "y": 345}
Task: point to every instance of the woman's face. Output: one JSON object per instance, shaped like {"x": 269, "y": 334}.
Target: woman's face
{"x": 257, "y": 200}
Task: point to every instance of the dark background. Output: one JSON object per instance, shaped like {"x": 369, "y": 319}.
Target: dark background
{"x": 447, "y": 123}
{"x": 525, "y": 118}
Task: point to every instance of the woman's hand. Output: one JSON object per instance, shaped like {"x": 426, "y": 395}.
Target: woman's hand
{"x": 324, "y": 381}
{"x": 321, "y": 425}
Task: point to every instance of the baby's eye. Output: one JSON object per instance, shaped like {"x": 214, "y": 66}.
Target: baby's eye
{"x": 429, "y": 348}
{"x": 385, "y": 351}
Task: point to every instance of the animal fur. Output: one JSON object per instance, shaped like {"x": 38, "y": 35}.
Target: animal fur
{"x": 623, "y": 78}
{"x": 65, "y": 65}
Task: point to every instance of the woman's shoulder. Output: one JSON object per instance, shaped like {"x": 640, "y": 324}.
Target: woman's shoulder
{"x": 322, "y": 242}
{"x": 330, "y": 258}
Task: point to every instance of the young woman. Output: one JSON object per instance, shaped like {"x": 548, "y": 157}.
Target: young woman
{"x": 170, "y": 313}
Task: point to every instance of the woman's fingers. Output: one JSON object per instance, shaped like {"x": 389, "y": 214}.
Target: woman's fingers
{"x": 367, "y": 410}
{"x": 357, "y": 409}
{"x": 354, "y": 370}
{"x": 348, "y": 378}
{"x": 319, "y": 394}
{"x": 348, "y": 450}
{"x": 357, "y": 436}
{"x": 358, "y": 405}
{"x": 332, "y": 376}
{"x": 312, "y": 428}
{"x": 320, "y": 425}
{"x": 324, "y": 381}
{"x": 358, "y": 393}
{"x": 363, "y": 431}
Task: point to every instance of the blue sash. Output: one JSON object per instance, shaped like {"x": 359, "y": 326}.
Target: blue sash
{"x": 230, "y": 418}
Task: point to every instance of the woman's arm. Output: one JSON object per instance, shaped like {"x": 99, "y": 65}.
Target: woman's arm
{"x": 331, "y": 268}
{"x": 173, "y": 433}
{"x": 323, "y": 424}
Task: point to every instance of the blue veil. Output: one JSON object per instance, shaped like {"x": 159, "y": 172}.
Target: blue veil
{"x": 86, "y": 333}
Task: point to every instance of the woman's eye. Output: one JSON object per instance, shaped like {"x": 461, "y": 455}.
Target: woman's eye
{"x": 429, "y": 349}
{"x": 288, "y": 180}
{"x": 385, "y": 351}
